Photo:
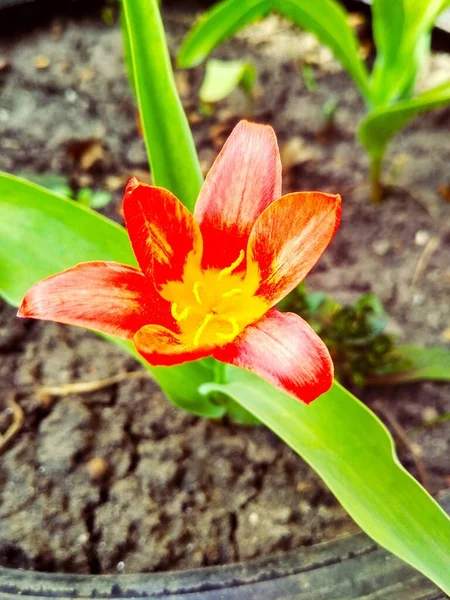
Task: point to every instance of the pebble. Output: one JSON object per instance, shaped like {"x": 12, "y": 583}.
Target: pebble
{"x": 381, "y": 247}
{"x": 97, "y": 468}
{"x": 418, "y": 299}
{"x": 422, "y": 237}
{"x": 429, "y": 413}
{"x": 253, "y": 518}
{"x": 41, "y": 62}
{"x": 70, "y": 95}
{"x": 120, "y": 567}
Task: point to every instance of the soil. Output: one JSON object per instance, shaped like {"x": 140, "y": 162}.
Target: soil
{"x": 120, "y": 480}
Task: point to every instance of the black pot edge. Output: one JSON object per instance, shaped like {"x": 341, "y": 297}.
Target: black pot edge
{"x": 25, "y": 11}
{"x": 346, "y": 565}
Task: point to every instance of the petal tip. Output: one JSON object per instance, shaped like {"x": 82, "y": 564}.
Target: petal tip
{"x": 22, "y": 311}
{"x": 132, "y": 184}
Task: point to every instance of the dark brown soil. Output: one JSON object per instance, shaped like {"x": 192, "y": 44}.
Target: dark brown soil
{"x": 171, "y": 490}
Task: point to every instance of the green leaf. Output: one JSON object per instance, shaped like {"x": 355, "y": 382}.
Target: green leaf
{"x": 413, "y": 363}
{"x": 223, "y": 76}
{"x": 324, "y": 18}
{"x": 401, "y": 32}
{"x": 218, "y": 24}
{"x": 329, "y": 22}
{"x": 352, "y": 451}
{"x": 42, "y": 233}
{"x": 381, "y": 124}
{"x": 170, "y": 146}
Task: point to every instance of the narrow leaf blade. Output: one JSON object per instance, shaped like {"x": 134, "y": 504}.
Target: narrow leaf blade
{"x": 353, "y": 452}
{"x": 416, "y": 364}
{"x": 170, "y": 146}
{"x": 381, "y": 124}
{"x": 401, "y": 32}
{"x": 329, "y": 22}
{"x": 217, "y": 25}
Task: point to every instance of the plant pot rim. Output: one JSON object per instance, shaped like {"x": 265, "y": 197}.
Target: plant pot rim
{"x": 351, "y": 566}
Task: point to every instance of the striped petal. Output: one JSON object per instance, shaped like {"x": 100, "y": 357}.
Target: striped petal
{"x": 288, "y": 239}
{"x": 162, "y": 347}
{"x": 244, "y": 179}
{"x": 283, "y": 349}
{"x": 162, "y": 231}
{"x": 104, "y": 296}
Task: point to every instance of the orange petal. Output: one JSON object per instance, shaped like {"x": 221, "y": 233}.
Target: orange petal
{"x": 244, "y": 179}
{"x": 283, "y": 349}
{"x": 103, "y": 296}
{"x": 162, "y": 231}
{"x": 288, "y": 239}
{"x": 162, "y": 347}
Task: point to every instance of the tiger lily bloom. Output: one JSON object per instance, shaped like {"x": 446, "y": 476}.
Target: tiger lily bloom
{"x": 208, "y": 282}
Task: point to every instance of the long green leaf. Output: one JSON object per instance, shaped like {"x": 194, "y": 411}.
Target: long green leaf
{"x": 354, "y": 454}
{"x": 324, "y": 18}
{"x": 218, "y": 24}
{"x": 401, "y": 32}
{"x": 416, "y": 364}
{"x": 169, "y": 141}
{"x": 380, "y": 125}
{"x": 42, "y": 233}
{"x": 329, "y": 22}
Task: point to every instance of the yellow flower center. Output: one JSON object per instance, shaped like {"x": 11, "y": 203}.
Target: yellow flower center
{"x": 213, "y": 306}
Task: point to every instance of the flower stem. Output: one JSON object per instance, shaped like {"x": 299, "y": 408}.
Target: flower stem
{"x": 219, "y": 372}
{"x": 375, "y": 179}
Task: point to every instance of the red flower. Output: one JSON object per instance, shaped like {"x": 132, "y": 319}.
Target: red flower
{"x": 208, "y": 283}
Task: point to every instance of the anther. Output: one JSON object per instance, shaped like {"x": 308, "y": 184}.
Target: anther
{"x": 176, "y": 315}
{"x": 234, "y": 265}
{"x": 233, "y": 292}
{"x": 201, "y": 329}
{"x": 195, "y": 289}
{"x": 230, "y": 336}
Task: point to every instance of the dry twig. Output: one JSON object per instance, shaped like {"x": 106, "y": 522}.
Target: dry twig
{"x": 428, "y": 251}
{"x": 16, "y": 425}
{"x": 84, "y": 387}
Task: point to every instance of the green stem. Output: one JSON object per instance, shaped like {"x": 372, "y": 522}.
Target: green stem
{"x": 375, "y": 179}
{"x": 219, "y": 372}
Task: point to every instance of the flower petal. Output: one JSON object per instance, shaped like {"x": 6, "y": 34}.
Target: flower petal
{"x": 288, "y": 239}
{"x": 162, "y": 231}
{"x": 244, "y": 179}
{"x": 283, "y": 349}
{"x": 162, "y": 347}
{"x": 103, "y": 296}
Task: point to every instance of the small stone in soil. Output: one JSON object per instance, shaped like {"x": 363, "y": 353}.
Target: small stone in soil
{"x": 97, "y": 468}
{"x": 381, "y": 247}
{"x": 421, "y": 238}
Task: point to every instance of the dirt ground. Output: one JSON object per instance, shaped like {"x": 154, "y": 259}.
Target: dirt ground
{"x": 119, "y": 480}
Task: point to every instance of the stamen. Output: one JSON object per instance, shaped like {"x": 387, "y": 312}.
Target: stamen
{"x": 202, "y": 327}
{"x": 195, "y": 289}
{"x": 233, "y": 266}
{"x": 233, "y": 334}
{"x": 232, "y": 292}
{"x": 176, "y": 315}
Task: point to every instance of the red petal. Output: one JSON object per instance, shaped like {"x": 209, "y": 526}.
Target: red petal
{"x": 162, "y": 347}
{"x": 244, "y": 179}
{"x": 162, "y": 231}
{"x": 283, "y": 349}
{"x": 104, "y": 296}
{"x": 288, "y": 239}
